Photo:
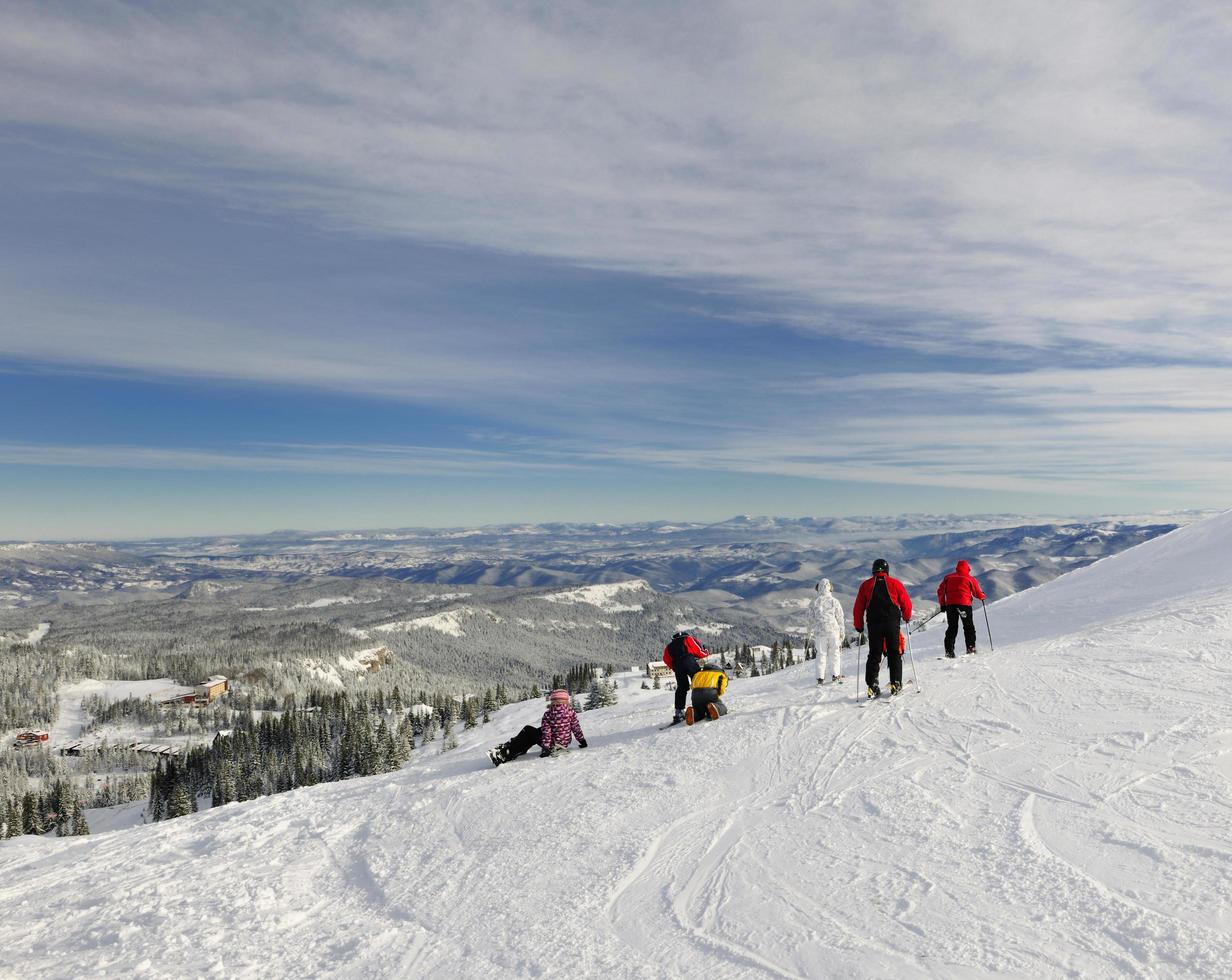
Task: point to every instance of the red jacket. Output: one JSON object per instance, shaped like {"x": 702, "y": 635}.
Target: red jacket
{"x": 691, "y": 646}
{"x": 898, "y": 595}
{"x": 957, "y": 588}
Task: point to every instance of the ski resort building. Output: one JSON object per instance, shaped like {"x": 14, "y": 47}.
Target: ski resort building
{"x": 154, "y": 748}
{"x": 207, "y": 691}
{"x": 30, "y": 738}
{"x": 657, "y": 668}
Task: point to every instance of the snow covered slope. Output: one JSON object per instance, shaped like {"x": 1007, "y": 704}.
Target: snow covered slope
{"x": 1058, "y": 808}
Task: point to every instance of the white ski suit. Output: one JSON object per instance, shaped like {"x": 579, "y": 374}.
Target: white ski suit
{"x": 826, "y": 625}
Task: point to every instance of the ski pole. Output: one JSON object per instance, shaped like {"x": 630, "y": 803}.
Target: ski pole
{"x": 914, "y": 679}
{"x": 923, "y": 623}
{"x": 986, "y": 626}
{"x": 855, "y": 674}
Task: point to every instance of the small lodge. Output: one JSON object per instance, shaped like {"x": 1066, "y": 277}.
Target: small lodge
{"x": 30, "y": 738}
{"x": 657, "y": 668}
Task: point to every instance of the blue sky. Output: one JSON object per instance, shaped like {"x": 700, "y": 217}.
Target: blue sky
{"x": 382, "y": 265}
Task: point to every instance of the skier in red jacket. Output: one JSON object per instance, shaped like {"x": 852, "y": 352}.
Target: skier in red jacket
{"x": 954, "y": 594}
{"x": 884, "y": 603}
{"x": 683, "y": 656}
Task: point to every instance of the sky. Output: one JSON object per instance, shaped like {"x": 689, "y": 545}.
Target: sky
{"x": 377, "y": 264}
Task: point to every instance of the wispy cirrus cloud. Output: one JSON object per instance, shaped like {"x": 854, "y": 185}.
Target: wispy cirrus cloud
{"x": 1051, "y": 433}
{"x": 322, "y": 458}
{"x": 1051, "y": 175}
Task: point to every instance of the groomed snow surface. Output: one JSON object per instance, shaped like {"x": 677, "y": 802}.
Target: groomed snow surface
{"x": 1058, "y": 808}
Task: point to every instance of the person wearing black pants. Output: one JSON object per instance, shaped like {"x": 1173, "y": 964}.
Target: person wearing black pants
{"x": 683, "y": 656}
{"x": 522, "y": 742}
{"x": 883, "y": 604}
{"x": 883, "y": 637}
{"x": 955, "y": 595}
{"x": 953, "y": 616}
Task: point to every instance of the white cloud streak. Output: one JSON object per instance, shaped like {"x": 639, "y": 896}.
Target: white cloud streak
{"x": 1046, "y": 175}
{"x": 1092, "y": 431}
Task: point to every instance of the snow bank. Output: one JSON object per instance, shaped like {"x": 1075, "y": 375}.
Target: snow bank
{"x": 706, "y": 629}
{"x": 604, "y": 596}
{"x": 332, "y": 600}
{"x": 448, "y": 622}
{"x": 1188, "y": 563}
{"x": 73, "y": 717}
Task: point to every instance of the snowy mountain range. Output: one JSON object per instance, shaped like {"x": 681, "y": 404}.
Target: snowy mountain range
{"x": 763, "y": 566}
{"x": 1054, "y": 807}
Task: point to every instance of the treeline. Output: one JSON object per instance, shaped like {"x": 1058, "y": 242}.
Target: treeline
{"x": 106, "y": 776}
{"x": 578, "y": 678}
{"x": 746, "y": 663}
{"x": 324, "y": 737}
{"x": 28, "y": 683}
{"x": 59, "y": 809}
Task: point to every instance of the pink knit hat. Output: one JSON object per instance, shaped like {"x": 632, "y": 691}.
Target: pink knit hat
{"x": 559, "y": 696}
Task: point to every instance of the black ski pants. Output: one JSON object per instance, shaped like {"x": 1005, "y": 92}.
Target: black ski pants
{"x": 523, "y": 741}
{"x": 685, "y": 669}
{"x": 952, "y": 615}
{"x": 883, "y": 638}
{"x": 704, "y": 696}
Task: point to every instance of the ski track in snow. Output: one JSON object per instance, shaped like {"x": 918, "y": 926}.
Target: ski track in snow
{"x": 1057, "y": 808}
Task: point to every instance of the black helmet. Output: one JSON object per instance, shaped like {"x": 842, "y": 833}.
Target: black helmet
{"x": 681, "y": 635}
{"x": 881, "y": 565}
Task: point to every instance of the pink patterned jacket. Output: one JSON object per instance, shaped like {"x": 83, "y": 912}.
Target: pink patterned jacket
{"x": 560, "y": 725}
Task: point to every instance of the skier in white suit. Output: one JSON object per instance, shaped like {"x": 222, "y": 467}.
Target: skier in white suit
{"x": 826, "y": 626}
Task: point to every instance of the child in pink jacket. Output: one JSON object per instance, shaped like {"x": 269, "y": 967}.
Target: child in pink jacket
{"x": 559, "y": 727}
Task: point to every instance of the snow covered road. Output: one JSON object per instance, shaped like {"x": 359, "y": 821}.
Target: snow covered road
{"x": 1059, "y": 808}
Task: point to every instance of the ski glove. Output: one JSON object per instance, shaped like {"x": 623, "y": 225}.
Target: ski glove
{"x": 581, "y": 743}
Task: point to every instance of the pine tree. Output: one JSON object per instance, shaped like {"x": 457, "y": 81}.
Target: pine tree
{"x": 81, "y": 827}
{"x": 179, "y": 804}
{"x": 594, "y": 698}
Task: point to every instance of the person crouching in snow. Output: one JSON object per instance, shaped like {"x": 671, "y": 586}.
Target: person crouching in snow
{"x": 826, "y": 626}
{"x": 559, "y": 727}
{"x": 709, "y": 686}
